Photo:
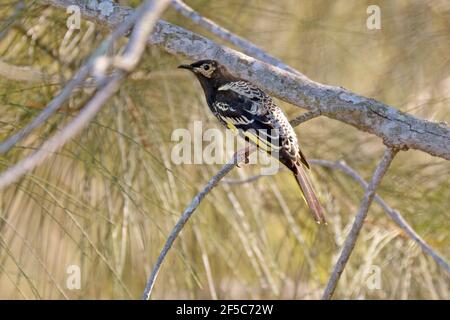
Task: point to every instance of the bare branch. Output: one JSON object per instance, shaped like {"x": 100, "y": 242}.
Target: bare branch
{"x": 396, "y": 128}
{"x": 155, "y": 7}
{"x": 350, "y": 241}
{"x": 395, "y": 215}
{"x": 237, "y": 158}
{"x": 60, "y": 138}
{"x": 45, "y": 114}
{"x": 246, "y": 46}
{"x": 121, "y": 29}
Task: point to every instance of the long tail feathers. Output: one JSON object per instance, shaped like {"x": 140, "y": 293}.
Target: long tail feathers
{"x": 309, "y": 195}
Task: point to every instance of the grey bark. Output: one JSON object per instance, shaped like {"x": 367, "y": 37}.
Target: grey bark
{"x": 397, "y": 129}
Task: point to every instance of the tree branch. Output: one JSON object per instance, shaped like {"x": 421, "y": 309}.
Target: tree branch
{"x": 397, "y": 129}
{"x": 246, "y": 46}
{"x": 350, "y": 242}
{"x": 59, "y": 139}
{"x": 238, "y": 157}
{"x": 145, "y": 16}
{"x": 395, "y": 215}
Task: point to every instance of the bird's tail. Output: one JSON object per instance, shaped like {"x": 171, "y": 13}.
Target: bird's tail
{"x": 309, "y": 195}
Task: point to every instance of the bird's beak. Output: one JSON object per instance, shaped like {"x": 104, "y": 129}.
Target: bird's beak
{"x": 185, "y": 66}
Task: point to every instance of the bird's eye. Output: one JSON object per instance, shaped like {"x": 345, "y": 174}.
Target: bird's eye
{"x": 206, "y": 67}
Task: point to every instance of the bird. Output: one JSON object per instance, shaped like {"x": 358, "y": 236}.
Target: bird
{"x": 244, "y": 108}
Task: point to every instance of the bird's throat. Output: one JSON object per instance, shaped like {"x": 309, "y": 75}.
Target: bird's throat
{"x": 209, "y": 87}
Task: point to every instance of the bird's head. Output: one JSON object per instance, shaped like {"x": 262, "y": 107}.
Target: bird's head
{"x": 210, "y": 73}
{"x": 208, "y": 69}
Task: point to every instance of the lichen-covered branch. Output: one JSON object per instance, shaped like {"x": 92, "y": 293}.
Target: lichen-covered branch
{"x": 397, "y": 129}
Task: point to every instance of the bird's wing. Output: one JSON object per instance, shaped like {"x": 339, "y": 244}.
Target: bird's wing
{"x": 243, "y": 101}
{"x": 242, "y": 107}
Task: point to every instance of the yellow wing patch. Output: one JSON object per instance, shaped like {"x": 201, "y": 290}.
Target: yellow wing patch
{"x": 263, "y": 144}
{"x": 231, "y": 126}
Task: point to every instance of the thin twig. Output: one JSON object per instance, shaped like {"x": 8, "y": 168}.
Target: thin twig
{"x": 395, "y": 215}
{"x": 352, "y": 237}
{"x": 294, "y": 122}
{"x": 238, "y": 157}
{"x": 246, "y": 180}
{"x": 305, "y": 117}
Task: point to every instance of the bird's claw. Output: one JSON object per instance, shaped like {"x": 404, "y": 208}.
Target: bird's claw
{"x": 246, "y": 159}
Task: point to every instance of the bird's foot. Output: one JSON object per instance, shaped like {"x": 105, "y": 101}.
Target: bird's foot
{"x": 246, "y": 158}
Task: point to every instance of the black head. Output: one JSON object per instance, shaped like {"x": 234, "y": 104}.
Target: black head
{"x": 208, "y": 69}
{"x": 211, "y": 75}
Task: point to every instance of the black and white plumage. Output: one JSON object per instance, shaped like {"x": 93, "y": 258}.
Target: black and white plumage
{"x": 243, "y": 107}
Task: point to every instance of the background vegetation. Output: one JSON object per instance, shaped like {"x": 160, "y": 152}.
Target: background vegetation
{"x": 108, "y": 199}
